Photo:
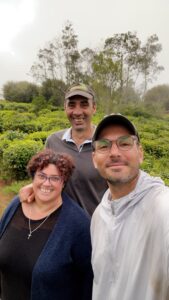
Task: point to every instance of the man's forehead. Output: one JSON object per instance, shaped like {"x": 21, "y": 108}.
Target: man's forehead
{"x": 78, "y": 98}
{"x": 114, "y": 129}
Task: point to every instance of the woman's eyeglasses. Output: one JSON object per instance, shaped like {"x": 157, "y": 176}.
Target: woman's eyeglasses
{"x": 52, "y": 179}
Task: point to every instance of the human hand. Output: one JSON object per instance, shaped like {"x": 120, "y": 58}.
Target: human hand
{"x": 26, "y": 193}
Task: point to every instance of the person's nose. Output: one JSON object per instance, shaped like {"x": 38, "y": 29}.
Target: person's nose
{"x": 114, "y": 150}
{"x": 47, "y": 182}
{"x": 77, "y": 110}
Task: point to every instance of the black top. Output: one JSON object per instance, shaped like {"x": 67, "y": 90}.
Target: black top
{"x": 18, "y": 254}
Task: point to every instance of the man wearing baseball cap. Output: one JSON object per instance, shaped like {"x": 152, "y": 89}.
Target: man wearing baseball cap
{"x": 130, "y": 227}
{"x": 85, "y": 186}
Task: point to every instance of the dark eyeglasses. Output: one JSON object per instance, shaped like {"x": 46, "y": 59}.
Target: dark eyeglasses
{"x": 123, "y": 143}
{"x": 52, "y": 179}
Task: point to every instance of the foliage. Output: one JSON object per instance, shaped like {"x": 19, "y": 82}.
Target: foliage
{"x": 13, "y": 135}
{"x": 71, "y": 53}
{"x": 158, "y": 95}
{"x": 59, "y": 59}
{"x": 121, "y": 62}
{"x": 21, "y": 91}
{"x": 38, "y": 136}
{"x": 19, "y": 107}
{"x": 39, "y": 103}
{"x": 15, "y": 186}
{"x": 22, "y": 131}
{"x": 124, "y": 49}
{"x": 53, "y": 90}
{"x": 12, "y": 120}
{"x": 147, "y": 61}
{"x": 16, "y": 157}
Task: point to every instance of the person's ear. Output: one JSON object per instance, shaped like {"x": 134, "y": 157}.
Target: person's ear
{"x": 141, "y": 154}
{"x": 94, "y": 107}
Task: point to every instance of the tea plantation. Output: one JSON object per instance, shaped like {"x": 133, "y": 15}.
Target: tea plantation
{"x": 23, "y": 132}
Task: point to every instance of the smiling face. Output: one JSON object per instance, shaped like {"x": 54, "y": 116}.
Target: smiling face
{"x": 118, "y": 167}
{"x": 79, "y": 111}
{"x": 45, "y": 189}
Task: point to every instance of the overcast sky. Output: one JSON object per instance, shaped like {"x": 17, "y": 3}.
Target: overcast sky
{"x": 26, "y": 25}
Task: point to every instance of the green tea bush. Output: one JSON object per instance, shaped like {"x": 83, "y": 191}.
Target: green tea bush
{"x": 12, "y": 120}
{"x": 4, "y": 143}
{"x": 16, "y": 157}
{"x": 29, "y": 127}
{"x": 19, "y": 107}
{"x": 53, "y": 119}
{"x": 154, "y": 148}
{"x": 13, "y": 135}
{"x": 38, "y": 136}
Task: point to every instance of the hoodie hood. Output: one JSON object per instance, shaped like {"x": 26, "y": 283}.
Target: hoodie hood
{"x": 122, "y": 205}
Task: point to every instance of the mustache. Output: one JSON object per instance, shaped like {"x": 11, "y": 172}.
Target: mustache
{"x": 115, "y": 161}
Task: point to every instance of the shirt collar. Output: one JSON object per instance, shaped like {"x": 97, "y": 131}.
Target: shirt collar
{"x": 68, "y": 138}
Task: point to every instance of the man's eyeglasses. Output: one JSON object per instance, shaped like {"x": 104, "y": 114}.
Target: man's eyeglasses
{"x": 123, "y": 143}
{"x": 52, "y": 179}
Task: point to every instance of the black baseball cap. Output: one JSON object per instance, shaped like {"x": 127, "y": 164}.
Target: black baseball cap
{"x": 116, "y": 119}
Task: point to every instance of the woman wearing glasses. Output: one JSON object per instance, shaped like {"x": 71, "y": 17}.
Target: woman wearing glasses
{"x": 45, "y": 248}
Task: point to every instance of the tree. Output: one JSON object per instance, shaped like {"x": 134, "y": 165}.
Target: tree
{"x": 71, "y": 53}
{"x": 119, "y": 66}
{"x": 105, "y": 70}
{"x": 50, "y": 62}
{"x": 59, "y": 59}
{"x": 158, "y": 95}
{"x": 53, "y": 91}
{"x": 123, "y": 49}
{"x": 147, "y": 59}
{"x": 86, "y": 61}
{"x": 21, "y": 91}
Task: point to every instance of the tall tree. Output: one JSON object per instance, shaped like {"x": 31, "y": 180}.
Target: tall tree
{"x": 105, "y": 71}
{"x": 123, "y": 48}
{"x": 59, "y": 60}
{"x": 50, "y": 62}
{"x": 147, "y": 59}
{"x": 71, "y": 53}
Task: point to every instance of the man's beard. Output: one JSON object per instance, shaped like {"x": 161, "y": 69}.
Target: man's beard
{"x": 121, "y": 181}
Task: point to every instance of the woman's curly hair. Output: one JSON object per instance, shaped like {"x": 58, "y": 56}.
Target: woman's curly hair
{"x": 63, "y": 162}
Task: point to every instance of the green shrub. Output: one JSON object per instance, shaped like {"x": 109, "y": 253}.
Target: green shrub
{"x": 12, "y": 135}
{"x": 154, "y": 148}
{"x": 20, "y": 107}
{"x": 4, "y": 143}
{"x": 38, "y": 136}
{"x": 16, "y": 157}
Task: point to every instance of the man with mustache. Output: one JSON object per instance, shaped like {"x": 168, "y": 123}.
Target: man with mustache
{"x": 130, "y": 227}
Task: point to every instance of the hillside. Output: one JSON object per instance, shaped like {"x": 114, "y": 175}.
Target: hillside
{"x": 24, "y": 129}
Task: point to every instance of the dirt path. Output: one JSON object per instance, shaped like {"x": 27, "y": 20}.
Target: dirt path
{"x": 4, "y": 199}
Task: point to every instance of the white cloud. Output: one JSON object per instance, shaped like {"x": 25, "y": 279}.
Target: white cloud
{"x": 26, "y": 26}
{"x": 13, "y": 19}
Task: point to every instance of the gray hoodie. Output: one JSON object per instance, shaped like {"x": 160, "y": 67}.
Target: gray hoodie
{"x": 130, "y": 241}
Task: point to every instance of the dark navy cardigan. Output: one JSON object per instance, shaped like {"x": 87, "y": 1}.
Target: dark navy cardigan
{"x": 63, "y": 270}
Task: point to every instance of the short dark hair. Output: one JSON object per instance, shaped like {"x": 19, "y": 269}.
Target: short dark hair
{"x": 63, "y": 162}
